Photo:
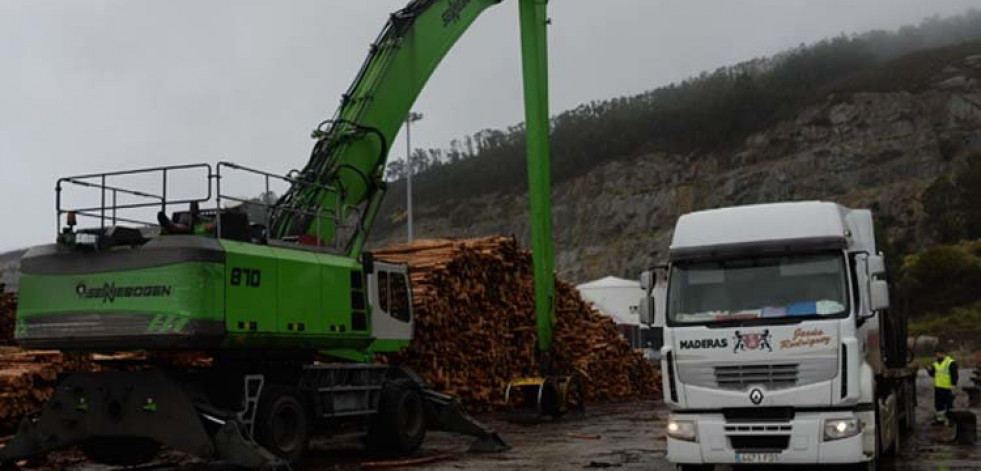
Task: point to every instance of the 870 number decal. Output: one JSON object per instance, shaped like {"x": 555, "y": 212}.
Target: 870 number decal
{"x": 246, "y": 276}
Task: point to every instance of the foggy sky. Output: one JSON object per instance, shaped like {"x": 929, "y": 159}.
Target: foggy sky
{"x": 91, "y": 86}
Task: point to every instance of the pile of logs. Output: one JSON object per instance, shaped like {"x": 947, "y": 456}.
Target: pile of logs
{"x": 27, "y": 377}
{"x": 27, "y": 380}
{"x": 475, "y": 325}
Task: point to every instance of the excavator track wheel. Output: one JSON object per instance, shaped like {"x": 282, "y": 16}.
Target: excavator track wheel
{"x": 122, "y": 451}
{"x": 400, "y": 425}
{"x": 283, "y": 423}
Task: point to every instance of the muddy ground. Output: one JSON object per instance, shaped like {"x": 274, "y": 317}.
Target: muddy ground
{"x": 627, "y": 436}
{"x": 621, "y": 436}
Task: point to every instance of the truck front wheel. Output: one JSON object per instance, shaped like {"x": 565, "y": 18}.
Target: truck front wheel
{"x": 283, "y": 423}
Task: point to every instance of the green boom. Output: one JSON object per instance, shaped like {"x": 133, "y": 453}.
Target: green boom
{"x": 349, "y": 157}
{"x": 352, "y": 148}
{"x": 534, "y": 53}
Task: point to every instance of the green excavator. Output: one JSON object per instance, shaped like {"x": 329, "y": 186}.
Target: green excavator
{"x": 289, "y": 305}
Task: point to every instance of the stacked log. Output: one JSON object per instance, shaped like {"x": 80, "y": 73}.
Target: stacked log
{"x": 28, "y": 378}
{"x": 475, "y": 325}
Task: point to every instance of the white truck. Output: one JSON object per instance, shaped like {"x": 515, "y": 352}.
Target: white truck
{"x": 778, "y": 345}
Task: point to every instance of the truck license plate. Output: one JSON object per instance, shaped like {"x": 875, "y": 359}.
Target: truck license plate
{"x": 756, "y": 458}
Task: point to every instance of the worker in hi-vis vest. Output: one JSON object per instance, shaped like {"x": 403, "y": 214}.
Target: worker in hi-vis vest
{"x": 944, "y": 373}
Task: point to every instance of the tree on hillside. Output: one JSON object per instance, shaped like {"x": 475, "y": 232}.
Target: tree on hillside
{"x": 952, "y": 204}
{"x": 713, "y": 112}
{"x": 968, "y": 182}
{"x": 941, "y": 278}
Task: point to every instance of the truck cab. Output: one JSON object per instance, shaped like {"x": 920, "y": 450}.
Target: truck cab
{"x": 772, "y": 340}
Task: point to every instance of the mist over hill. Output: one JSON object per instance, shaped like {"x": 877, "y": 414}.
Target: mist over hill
{"x": 869, "y": 120}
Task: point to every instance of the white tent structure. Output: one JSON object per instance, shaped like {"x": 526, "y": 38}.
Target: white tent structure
{"x": 615, "y": 297}
{"x": 619, "y": 299}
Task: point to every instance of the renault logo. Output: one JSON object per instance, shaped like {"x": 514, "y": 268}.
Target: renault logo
{"x": 756, "y": 396}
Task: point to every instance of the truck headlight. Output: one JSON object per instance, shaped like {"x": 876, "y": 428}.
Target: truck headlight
{"x": 682, "y": 430}
{"x": 840, "y": 428}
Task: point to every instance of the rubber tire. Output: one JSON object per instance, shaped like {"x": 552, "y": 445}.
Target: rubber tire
{"x": 399, "y": 428}
{"x": 896, "y": 446}
{"x": 123, "y": 451}
{"x": 911, "y": 407}
{"x": 283, "y": 424}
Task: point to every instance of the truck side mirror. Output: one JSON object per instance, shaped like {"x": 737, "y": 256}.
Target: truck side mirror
{"x": 646, "y": 310}
{"x": 876, "y": 265}
{"x": 659, "y": 295}
{"x": 878, "y": 295}
{"x": 647, "y": 280}
{"x": 871, "y": 272}
{"x": 654, "y": 282}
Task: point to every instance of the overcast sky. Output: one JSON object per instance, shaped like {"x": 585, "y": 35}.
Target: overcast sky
{"x": 92, "y": 86}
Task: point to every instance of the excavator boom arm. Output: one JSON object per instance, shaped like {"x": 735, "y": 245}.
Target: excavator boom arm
{"x": 534, "y": 53}
{"x": 346, "y": 167}
{"x": 344, "y": 175}
{"x": 347, "y": 163}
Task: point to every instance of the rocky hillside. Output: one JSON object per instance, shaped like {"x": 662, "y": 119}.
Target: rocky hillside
{"x": 875, "y": 140}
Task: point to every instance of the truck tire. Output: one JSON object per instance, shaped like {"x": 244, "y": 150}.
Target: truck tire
{"x": 122, "y": 451}
{"x": 893, "y": 449}
{"x": 283, "y": 423}
{"x": 910, "y": 422}
{"x": 400, "y": 425}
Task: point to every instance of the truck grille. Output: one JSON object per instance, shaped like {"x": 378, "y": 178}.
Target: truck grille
{"x": 740, "y": 377}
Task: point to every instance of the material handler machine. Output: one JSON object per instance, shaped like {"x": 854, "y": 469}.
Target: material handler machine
{"x": 291, "y": 308}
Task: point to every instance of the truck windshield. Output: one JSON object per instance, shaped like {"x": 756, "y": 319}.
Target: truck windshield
{"x": 756, "y": 288}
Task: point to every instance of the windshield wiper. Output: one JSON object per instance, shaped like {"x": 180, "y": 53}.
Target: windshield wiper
{"x": 723, "y": 324}
{"x": 760, "y": 321}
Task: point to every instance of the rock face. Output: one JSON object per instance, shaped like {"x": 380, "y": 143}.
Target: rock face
{"x": 874, "y": 150}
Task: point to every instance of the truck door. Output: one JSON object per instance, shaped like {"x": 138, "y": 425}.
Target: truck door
{"x": 391, "y": 302}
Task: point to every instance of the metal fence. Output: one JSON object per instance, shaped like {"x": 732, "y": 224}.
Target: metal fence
{"x": 111, "y": 211}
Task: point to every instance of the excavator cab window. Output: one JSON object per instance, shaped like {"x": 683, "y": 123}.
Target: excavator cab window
{"x": 400, "y": 298}
{"x": 383, "y": 290}
{"x": 393, "y": 295}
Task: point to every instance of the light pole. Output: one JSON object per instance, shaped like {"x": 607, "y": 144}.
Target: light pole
{"x": 413, "y": 117}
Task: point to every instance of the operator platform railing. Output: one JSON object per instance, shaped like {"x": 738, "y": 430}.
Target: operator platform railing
{"x": 337, "y": 214}
{"x": 111, "y": 211}
{"x": 108, "y": 211}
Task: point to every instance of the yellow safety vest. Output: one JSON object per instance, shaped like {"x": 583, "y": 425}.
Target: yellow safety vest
{"x": 941, "y": 374}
